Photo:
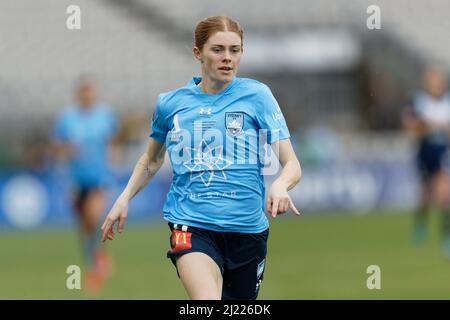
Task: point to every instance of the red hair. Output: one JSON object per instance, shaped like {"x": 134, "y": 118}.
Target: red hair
{"x": 207, "y": 27}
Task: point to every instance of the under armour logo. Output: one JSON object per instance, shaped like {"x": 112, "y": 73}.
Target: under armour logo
{"x": 207, "y": 111}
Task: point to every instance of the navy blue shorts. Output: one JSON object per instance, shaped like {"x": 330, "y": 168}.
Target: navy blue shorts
{"x": 240, "y": 256}
{"x": 81, "y": 194}
{"x": 431, "y": 158}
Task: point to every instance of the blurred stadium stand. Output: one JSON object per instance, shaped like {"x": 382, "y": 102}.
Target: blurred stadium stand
{"x": 325, "y": 67}
{"x": 139, "y": 48}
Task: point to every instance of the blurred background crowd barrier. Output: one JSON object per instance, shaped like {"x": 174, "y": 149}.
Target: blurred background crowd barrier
{"x": 341, "y": 86}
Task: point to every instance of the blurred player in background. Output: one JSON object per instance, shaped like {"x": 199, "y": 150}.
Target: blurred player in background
{"x": 216, "y": 205}
{"x": 428, "y": 119}
{"x": 84, "y": 136}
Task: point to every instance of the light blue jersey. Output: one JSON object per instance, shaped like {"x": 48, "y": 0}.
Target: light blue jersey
{"x": 216, "y": 145}
{"x": 89, "y": 132}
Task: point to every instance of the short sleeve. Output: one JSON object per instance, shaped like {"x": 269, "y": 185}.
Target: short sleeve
{"x": 270, "y": 117}
{"x": 418, "y": 103}
{"x": 60, "y": 129}
{"x": 412, "y": 106}
{"x": 159, "y": 123}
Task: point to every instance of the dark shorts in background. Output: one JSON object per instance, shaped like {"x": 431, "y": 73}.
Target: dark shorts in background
{"x": 240, "y": 256}
{"x": 431, "y": 158}
{"x": 81, "y": 194}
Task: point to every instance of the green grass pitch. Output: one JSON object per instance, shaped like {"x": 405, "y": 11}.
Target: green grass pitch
{"x": 309, "y": 257}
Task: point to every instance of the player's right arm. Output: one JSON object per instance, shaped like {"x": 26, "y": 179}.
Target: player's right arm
{"x": 62, "y": 150}
{"x": 413, "y": 124}
{"x": 146, "y": 167}
{"x": 61, "y": 145}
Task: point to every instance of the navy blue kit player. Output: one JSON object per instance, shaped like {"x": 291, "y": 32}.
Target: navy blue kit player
{"x": 428, "y": 119}
{"x": 217, "y": 130}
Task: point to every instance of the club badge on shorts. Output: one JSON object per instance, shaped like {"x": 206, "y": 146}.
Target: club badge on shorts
{"x": 234, "y": 122}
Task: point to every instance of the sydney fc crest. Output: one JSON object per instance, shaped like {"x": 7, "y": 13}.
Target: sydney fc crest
{"x": 234, "y": 122}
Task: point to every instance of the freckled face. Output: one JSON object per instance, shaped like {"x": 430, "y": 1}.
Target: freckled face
{"x": 221, "y": 56}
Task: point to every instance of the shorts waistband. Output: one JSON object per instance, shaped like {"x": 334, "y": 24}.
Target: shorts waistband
{"x": 177, "y": 226}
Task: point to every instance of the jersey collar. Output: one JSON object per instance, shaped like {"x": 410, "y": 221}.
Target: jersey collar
{"x": 196, "y": 80}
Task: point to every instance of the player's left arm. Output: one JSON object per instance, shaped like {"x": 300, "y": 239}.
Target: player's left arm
{"x": 278, "y": 200}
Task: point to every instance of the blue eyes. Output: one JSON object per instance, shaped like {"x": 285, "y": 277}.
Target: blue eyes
{"x": 217, "y": 50}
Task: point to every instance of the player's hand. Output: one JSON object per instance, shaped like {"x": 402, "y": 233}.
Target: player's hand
{"x": 278, "y": 200}
{"x": 65, "y": 150}
{"x": 119, "y": 212}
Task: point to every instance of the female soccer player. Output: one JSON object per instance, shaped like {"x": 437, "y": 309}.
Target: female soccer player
{"x": 83, "y": 134}
{"x": 428, "y": 119}
{"x": 213, "y": 129}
